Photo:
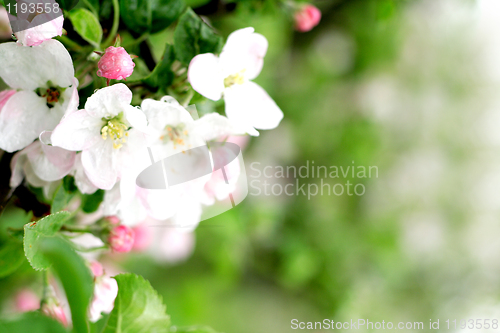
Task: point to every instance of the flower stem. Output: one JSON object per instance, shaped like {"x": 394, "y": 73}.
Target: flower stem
{"x": 46, "y": 286}
{"x": 116, "y": 23}
{"x": 69, "y": 43}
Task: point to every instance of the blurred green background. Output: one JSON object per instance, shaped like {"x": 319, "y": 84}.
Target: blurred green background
{"x": 408, "y": 86}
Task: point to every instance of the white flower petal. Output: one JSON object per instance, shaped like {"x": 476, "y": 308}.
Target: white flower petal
{"x": 109, "y": 101}
{"x": 81, "y": 180}
{"x": 23, "y": 118}
{"x": 249, "y": 106}
{"x": 136, "y": 118}
{"x": 212, "y": 126}
{"x": 50, "y": 163}
{"x": 77, "y": 131}
{"x": 205, "y": 76}
{"x": 244, "y": 51}
{"x": 100, "y": 166}
{"x": 32, "y": 67}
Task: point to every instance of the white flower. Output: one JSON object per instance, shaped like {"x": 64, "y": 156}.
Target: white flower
{"x": 248, "y": 106}
{"x": 32, "y": 31}
{"x": 46, "y": 89}
{"x": 173, "y": 130}
{"x": 109, "y": 132}
{"x": 105, "y": 292}
{"x": 41, "y": 165}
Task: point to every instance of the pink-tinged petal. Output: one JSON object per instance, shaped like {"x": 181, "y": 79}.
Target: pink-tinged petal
{"x": 32, "y": 67}
{"x": 4, "y": 97}
{"x": 38, "y": 31}
{"x": 23, "y": 118}
{"x": 244, "y": 51}
{"x": 136, "y": 118}
{"x": 105, "y": 292}
{"x": 143, "y": 237}
{"x": 51, "y": 163}
{"x": 77, "y": 131}
{"x": 100, "y": 166}
{"x": 17, "y": 169}
{"x": 212, "y": 126}
{"x": 27, "y": 300}
{"x": 175, "y": 246}
{"x": 109, "y": 101}
{"x": 248, "y": 105}
{"x": 240, "y": 140}
{"x": 71, "y": 99}
{"x": 32, "y": 178}
{"x": 96, "y": 268}
{"x": 205, "y": 76}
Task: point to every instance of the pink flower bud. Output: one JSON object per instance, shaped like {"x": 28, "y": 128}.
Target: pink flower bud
{"x": 26, "y": 300}
{"x": 115, "y": 64}
{"x": 307, "y": 17}
{"x": 121, "y": 238}
{"x": 54, "y": 310}
{"x": 113, "y": 219}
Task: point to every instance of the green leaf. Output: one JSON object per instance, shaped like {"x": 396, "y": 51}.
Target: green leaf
{"x": 61, "y": 199}
{"x": 138, "y": 308}
{"x": 193, "y": 329}
{"x": 87, "y": 25}
{"x": 33, "y": 234}
{"x": 32, "y": 322}
{"x": 75, "y": 277}
{"x": 192, "y": 37}
{"x": 151, "y": 16}
{"x": 165, "y": 12}
{"x": 67, "y": 4}
{"x": 13, "y": 217}
{"x": 196, "y": 3}
{"x": 162, "y": 75}
{"x": 11, "y": 257}
{"x": 91, "y": 202}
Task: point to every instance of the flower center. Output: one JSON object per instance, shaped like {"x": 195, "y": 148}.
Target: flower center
{"x": 176, "y": 134}
{"x": 51, "y": 94}
{"x": 237, "y": 78}
{"x": 116, "y": 131}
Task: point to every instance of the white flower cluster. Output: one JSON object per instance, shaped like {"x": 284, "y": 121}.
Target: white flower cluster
{"x": 105, "y": 144}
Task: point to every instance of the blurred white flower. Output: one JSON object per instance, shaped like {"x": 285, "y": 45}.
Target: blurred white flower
{"x": 105, "y": 292}
{"x": 248, "y": 106}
